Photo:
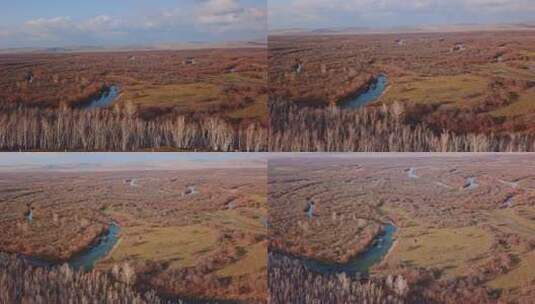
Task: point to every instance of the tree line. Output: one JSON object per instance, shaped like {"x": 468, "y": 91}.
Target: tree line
{"x": 20, "y": 282}
{"x": 375, "y": 129}
{"x": 119, "y": 129}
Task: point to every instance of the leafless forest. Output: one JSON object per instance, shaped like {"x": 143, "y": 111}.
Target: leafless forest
{"x": 22, "y": 283}
{"x": 447, "y": 91}
{"x": 291, "y": 282}
{"x": 197, "y": 100}
{"x": 375, "y": 129}
{"x": 191, "y": 233}
{"x": 464, "y": 231}
{"x": 120, "y": 129}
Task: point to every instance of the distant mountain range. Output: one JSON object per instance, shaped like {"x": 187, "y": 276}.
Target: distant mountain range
{"x": 141, "y": 165}
{"x": 174, "y": 46}
{"x": 404, "y": 29}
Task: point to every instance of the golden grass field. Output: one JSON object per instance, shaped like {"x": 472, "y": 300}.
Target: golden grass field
{"x": 453, "y": 250}
{"x": 228, "y": 83}
{"x": 448, "y": 234}
{"x": 486, "y": 86}
{"x": 439, "y": 89}
{"x": 207, "y": 243}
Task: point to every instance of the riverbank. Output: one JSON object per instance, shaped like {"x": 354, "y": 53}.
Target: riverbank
{"x": 102, "y": 99}
{"x": 86, "y": 258}
{"x": 375, "y": 88}
{"x": 291, "y": 282}
{"x": 360, "y": 264}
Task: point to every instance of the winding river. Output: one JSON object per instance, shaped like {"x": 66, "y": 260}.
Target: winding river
{"x": 371, "y": 94}
{"x": 364, "y": 261}
{"x": 471, "y": 183}
{"x": 310, "y": 209}
{"x": 411, "y": 172}
{"x": 105, "y": 243}
{"x": 108, "y": 96}
{"x": 190, "y": 190}
{"x": 87, "y": 259}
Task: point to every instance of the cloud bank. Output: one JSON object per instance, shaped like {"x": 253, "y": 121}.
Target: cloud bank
{"x": 205, "y": 20}
{"x": 389, "y": 13}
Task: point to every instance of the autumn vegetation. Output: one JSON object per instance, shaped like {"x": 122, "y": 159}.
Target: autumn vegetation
{"x": 120, "y": 129}
{"x": 195, "y": 100}
{"x": 388, "y": 128}
{"x": 20, "y": 282}
{"x": 222, "y": 81}
{"x": 464, "y": 226}
{"x": 459, "y": 91}
{"x": 184, "y": 233}
{"x": 349, "y": 228}
{"x": 291, "y": 282}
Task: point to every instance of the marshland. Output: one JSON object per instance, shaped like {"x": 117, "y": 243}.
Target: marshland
{"x": 464, "y": 226}
{"x": 155, "y": 238}
{"x": 212, "y": 99}
{"x": 465, "y": 90}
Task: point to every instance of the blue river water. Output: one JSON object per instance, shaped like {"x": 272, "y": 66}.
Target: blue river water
{"x": 364, "y": 261}
{"x": 374, "y": 91}
{"x": 104, "y": 100}
{"x": 87, "y": 259}
{"x": 471, "y": 183}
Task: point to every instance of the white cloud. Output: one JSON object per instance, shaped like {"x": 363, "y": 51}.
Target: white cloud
{"x": 502, "y": 5}
{"x": 101, "y": 23}
{"x": 219, "y": 6}
{"x": 221, "y": 15}
{"x": 214, "y": 19}
{"x": 295, "y": 12}
{"x": 57, "y": 22}
{"x": 406, "y": 5}
{"x": 64, "y": 28}
{"x": 49, "y": 29}
{"x": 213, "y": 16}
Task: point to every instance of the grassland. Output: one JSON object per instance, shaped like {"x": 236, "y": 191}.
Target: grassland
{"x": 180, "y": 97}
{"x": 176, "y": 244}
{"x": 465, "y": 223}
{"x": 210, "y": 81}
{"x": 522, "y": 105}
{"x": 186, "y": 233}
{"x": 438, "y": 89}
{"x": 184, "y": 96}
{"x": 453, "y": 250}
{"x": 463, "y": 82}
{"x": 334, "y": 221}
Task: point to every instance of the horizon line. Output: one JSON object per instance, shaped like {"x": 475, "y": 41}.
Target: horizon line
{"x": 190, "y": 45}
{"x": 402, "y": 29}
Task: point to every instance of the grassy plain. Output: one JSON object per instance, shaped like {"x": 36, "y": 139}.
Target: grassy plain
{"x": 228, "y": 82}
{"x": 463, "y": 82}
{"x": 452, "y": 250}
{"x": 193, "y": 233}
{"x": 463, "y": 220}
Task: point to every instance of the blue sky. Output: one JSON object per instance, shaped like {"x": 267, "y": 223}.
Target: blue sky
{"x": 51, "y": 23}
{"x": 395, "y": 13}
{"x": 126, "y": 161}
